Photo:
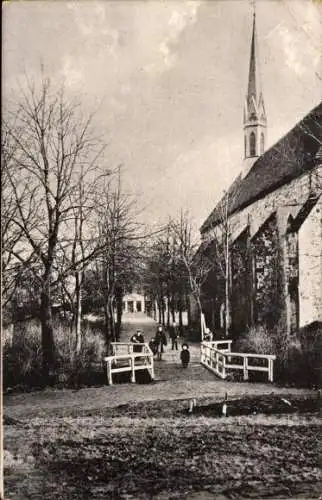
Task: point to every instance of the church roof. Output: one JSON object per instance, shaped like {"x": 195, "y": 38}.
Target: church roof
{"x": 289, "y": 158}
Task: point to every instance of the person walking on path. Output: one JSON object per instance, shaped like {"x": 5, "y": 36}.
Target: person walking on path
{"x": 153, "y": 346}
{"x": 208, "y": 335}
{"x": 140, "y": 338}
{"x": 135, "y": 340}
{"x": 174, "y": 334}
{"x": 160, "y": 340}
{"x": 185, "y": 355}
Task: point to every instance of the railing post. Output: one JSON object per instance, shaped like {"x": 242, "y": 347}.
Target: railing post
{"x": 229, "y": 350}
{"x": 109, "y": 372}
{"x": 224, "y": 366}
{"x": 152, "y": 366}
{"x": 132, "y": 369}
{"x": 245, "y": 368}
{"x": 270, "y": 370}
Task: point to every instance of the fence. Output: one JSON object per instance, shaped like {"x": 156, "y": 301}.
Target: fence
{"x": 125, "y": 359}
{"x": 217, "y": 357}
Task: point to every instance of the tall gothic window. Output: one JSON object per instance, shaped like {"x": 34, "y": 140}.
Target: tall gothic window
{"x": 245, "y": 147}
{"x": 252, "y": 144}
{"x": 262, "y": 143}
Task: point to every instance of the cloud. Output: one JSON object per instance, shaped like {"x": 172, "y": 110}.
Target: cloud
{"x": 92, "y": 22}
{"x": 184, "y": 14}
{"x": 71, "y": 72}
{"x": 298, "y": 40}
{"x": 179, "y": 21}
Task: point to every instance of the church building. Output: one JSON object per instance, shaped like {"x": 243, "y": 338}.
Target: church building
{"x": 270, "y": 224}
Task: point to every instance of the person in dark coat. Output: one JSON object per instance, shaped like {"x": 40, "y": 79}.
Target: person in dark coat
{"x": 185, "y": 355}
{"x": 153, "y": 346}
{"x": 140, "y": 336}
{"x": 135, "y": 340}
{"x": 160, "y": 340}
{"x": 174, "y": 334}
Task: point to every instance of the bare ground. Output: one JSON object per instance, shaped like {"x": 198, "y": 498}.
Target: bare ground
{"x": 138, "y": 441}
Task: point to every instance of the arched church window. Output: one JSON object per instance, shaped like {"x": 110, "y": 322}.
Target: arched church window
{"x": 252, "y": 144}
{"x": 262, "y": 143}
{"x": 245, "y": 147}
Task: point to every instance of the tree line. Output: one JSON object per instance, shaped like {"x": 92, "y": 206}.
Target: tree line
{"x": 70, "y": 233}
{"x": 67, "y": 224}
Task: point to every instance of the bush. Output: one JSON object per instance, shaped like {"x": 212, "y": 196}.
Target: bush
{"x": 258, "y": 340}
{"x": 298, "y": 356}
{"x": 22, "y": 357}
{"x": 301, "y": 363}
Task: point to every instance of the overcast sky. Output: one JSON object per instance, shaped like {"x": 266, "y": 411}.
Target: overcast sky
{"x": 168, "y": 80}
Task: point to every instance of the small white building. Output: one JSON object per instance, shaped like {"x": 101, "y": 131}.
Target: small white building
{"x": 134, "y": 302}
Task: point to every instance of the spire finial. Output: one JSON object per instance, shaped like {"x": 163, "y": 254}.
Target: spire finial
{"x": 254, "y": 8}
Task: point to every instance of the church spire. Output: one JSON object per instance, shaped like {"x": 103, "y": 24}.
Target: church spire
{"x": 254, "y": 75}
{"x": 254, "y": 110}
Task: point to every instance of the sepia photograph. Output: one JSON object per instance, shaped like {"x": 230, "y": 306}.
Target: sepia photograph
{"x": 161, "y": 250}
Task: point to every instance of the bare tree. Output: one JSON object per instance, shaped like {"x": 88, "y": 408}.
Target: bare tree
{"x": 52, "y": 146}
{"x": 10, "y": 233}
{"x": 118, "y": 232}
{"x": 81, "y": 245}
{"x": 193, "y": 262}
{"x": 222, "y": 246}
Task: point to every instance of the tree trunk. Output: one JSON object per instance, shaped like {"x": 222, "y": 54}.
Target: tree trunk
{"x": 119, "y": 313}
{"x": 188, "y": 310}
{"x": 227, "y": 305}
{"x": 168, "y": 310}
{"x": 160, "y": 313}
{"x": 78, "y": 279}
{"x": 47, "y": 334}
{"x": 111, "y": 320}
{"x": 180, "y": 319}
{"x": 106, "y": 325}
{"x": 173, "y": 312}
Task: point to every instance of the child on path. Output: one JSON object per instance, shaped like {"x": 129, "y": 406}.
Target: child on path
{"x": 185, "y": 355}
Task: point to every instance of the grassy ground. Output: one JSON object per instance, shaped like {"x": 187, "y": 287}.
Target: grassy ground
{"x": 138, "y": 441}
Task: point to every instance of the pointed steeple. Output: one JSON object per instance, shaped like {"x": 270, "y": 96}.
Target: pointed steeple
{"x": 254, "y": 75}
{"x": 254, "y": 109}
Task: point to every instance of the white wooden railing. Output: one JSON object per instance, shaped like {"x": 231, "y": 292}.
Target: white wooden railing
{"x": 123, "y": 359}
{"x": 217, "y": 357}
{"x": 202, "y": 326}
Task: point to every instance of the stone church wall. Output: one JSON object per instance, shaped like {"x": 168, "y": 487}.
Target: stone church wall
{"x": 310, "y": 267}
{"x": 285, "y": 201}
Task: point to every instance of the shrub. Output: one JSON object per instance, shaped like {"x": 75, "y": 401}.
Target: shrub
{"x": 301, "y": 363}
{"x": 298, "y": 356}
{"x": 257, "y": 340}
{"x": 22, "y": 356}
